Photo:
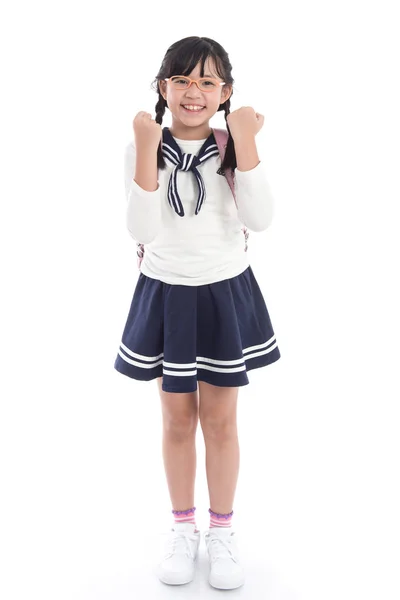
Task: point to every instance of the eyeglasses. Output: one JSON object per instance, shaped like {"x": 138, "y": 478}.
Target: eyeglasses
{"x": 205, "y": 84}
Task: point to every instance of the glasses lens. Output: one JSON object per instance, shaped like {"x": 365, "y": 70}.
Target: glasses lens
{"x": 180, "y": 83}
{"x": 207, "y": 85}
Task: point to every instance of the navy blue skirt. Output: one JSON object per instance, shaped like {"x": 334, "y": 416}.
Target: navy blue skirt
{"x": 185, "y": 334}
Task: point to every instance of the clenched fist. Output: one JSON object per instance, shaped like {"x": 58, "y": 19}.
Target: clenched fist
{"x": 244, "y": 122}
{"x": 148, "y": 132}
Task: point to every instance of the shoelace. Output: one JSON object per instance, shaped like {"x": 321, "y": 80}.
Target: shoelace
{"x": 179, "y": 543}
{"x": 220, "y": 548}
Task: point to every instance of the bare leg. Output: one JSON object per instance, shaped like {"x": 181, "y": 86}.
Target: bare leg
{"x": 217, "y": 413}
{"x": 180, "y": 419}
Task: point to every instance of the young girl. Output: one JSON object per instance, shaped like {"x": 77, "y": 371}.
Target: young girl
{"x": 198, "y": 321}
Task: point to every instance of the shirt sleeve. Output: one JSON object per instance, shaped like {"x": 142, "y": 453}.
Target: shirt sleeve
{"x": 255, "y": 202}
{"x": 143, "y": 214}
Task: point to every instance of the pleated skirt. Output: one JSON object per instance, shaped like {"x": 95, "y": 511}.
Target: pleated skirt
{"x": 185, "y": 334}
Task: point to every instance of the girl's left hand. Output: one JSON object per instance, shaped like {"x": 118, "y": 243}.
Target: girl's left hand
{"x": 244, "y": 122}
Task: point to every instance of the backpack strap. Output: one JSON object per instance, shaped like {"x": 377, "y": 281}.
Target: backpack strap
{"x": 221, "y": 137}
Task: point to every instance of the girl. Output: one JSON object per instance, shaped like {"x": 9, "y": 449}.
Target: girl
{"x": 198, "y": 321}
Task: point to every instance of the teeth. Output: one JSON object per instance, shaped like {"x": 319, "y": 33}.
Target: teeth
{"x": 191, "y": 107}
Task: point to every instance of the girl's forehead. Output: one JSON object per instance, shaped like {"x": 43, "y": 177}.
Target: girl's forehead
{"x": 209, "y": 69}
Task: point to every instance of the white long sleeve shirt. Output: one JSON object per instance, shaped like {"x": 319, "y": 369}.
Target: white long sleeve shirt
{"x": 196, "y": 249}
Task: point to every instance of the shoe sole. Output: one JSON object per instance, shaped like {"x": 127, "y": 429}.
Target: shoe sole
{"x": 169, "y": 582}
{"x": 174, "y": 579}
{"x": 220, "y": 585}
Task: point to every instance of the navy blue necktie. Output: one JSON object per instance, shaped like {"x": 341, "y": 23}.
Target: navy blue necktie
{"x": 186, "y": 162}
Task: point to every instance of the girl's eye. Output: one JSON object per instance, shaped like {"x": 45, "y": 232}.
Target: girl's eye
{"x": 208, "y": 83}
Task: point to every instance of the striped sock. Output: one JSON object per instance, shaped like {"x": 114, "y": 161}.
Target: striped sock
{"x": 220, "y": 520}
{"x": 185, "y": 516}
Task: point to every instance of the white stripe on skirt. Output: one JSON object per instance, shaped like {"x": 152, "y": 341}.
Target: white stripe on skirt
{"x": 224, "y": 366}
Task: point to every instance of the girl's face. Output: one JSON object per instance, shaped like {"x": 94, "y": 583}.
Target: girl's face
{"x": 183, "y": 119}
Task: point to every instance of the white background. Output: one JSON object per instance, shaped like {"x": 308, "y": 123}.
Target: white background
{"x": 84, "y": 497}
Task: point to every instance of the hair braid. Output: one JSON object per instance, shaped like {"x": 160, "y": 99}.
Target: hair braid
{"x": 230, "y": 155}
{"x": 160, "y": 111}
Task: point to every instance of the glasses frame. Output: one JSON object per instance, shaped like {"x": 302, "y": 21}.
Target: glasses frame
{"x": 196, "y": 81}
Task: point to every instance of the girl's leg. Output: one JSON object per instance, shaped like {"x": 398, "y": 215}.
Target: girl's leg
{"x": 217, "y": 414}
{"x": 180, "y": 418}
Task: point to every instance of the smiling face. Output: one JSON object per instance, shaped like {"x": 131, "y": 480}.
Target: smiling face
{"x": 188, "y": 124}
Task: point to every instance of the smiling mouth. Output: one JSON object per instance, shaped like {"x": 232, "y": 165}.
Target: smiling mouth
{"x": 195, "y": 110}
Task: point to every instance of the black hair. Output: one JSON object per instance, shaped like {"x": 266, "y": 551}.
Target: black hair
{"x": 180, "y": 59}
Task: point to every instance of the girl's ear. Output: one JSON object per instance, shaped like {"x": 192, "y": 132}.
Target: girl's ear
{"x": 162, "y": 86}
{"x": 226, "y": 93}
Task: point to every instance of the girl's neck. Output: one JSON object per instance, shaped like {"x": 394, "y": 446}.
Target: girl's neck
{"x": 182, "y": 132}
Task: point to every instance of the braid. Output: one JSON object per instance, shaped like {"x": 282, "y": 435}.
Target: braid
{"x": 229, "y": 161}
{"x": 160, "y": 111}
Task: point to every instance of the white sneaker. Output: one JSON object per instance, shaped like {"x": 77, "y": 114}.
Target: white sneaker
{"x": 226, "y": 573}
{"x": 177, "y": 566}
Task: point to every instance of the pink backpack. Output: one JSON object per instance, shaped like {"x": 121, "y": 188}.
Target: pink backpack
{"x": 221, "y": 137}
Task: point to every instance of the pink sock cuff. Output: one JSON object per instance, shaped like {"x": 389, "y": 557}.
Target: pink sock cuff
{"x": 183, "y": 512}
{"x": 227, "y": 516}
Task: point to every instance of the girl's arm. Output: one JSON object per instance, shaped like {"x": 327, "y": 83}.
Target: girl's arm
{"x": 253, "y": 193}
{"x": 143, "y": 215}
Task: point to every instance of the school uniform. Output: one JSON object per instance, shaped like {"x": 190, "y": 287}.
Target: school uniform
{"x": 197, "y": 312}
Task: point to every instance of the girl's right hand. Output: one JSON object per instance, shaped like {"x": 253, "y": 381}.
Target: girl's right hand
{"x": 148, "y": 132}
